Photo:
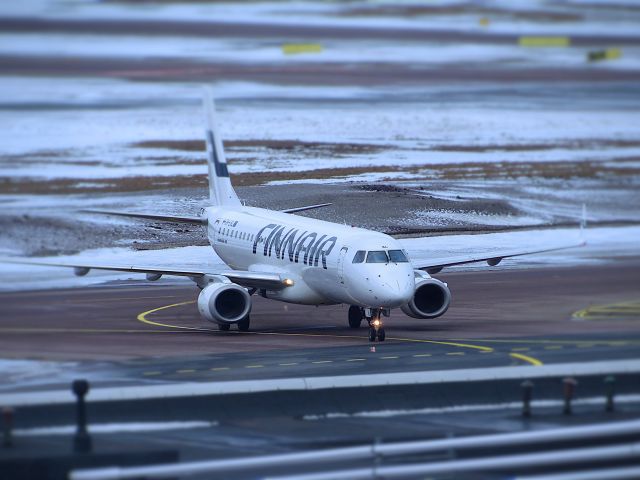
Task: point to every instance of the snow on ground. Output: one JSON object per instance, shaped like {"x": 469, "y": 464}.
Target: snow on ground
{"x": 88, "y": 135}
{"x": 340, "y": 14}
{"x": 84, "y": 129}
{"x": 255, "y": 51}
{"x": 536, "y": 202}
{"x": 604, "y": 244}
{"x": 27, "y": 372}
{"x": 26, "y": 277}
{"x": 444, "y": 218}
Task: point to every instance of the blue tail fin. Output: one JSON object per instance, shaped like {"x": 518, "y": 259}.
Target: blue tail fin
{"x": 221, "y": 191}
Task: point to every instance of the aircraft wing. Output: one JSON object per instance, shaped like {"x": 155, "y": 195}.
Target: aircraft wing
{"x": 151, "y": 216}
{"x": 492, "y": 258}
{"x": 307, "y": 207}
{"x": 186, "y": 219}
{"x": 250, "y": 279}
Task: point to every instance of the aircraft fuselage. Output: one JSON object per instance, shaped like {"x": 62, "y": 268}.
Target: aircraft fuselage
{"x": 317, "y": 255}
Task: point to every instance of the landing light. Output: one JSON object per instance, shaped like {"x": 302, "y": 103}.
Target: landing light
{"x": 288, "y": 282}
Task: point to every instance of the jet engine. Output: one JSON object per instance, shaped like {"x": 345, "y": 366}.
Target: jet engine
{"x": 430, "y": 300}
{"x": 224, "y": 303}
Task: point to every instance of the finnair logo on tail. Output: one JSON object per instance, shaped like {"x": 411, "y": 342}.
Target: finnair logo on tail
{"x": 306, "y": 247}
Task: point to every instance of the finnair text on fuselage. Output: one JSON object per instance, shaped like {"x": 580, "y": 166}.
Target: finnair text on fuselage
{"x": 293, "y": 244}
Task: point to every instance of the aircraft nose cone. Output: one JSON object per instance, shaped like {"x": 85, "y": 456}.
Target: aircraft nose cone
{"x": 395, "y": 293}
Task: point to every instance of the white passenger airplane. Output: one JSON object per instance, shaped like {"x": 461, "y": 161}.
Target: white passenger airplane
{"x": 300, "y": 260}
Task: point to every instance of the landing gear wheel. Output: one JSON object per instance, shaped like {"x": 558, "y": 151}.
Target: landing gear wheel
{"x": 381, "y": 335}
{"x": 355, "y": 316}
{"x": 243, "y": 325}
{"x": 224, "y": 327}
{"x": 372, "y": 334}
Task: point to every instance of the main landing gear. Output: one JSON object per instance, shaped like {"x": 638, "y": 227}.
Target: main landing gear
{"x": 373, "y": 316}
{"x": 356, "y": 315}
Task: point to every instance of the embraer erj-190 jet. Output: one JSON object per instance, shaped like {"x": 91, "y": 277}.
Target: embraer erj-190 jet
{"x": 300, "y": 260}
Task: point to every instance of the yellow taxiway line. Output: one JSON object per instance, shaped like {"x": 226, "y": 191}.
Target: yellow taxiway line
{"x": 526, "y": 358}
{"x": 142, "y": 317}
{"x": 620, "y": 310}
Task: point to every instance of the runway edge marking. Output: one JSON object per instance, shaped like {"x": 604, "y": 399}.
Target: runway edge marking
{"x": 199, "y": 389}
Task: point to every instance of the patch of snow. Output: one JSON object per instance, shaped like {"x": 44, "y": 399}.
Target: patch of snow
{"x": 603, "y": 245}
{"x": 24, "y": 372}
{"x": 447, "y": 218}
{"x": 101, "y": 428}
{"x": 88, "y": 135}
{"x": 329, "y": 14}
{"x": 457, "y": 409}
{"x": 257, "y": 51}
{"x": 26, "y": 277}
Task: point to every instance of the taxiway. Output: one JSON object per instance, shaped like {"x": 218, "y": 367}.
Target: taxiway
{"x": 133, "y": 332}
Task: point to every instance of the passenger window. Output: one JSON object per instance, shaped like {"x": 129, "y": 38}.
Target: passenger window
{"x": 359, "y": 256}
{"x": 378, "y": 256}
{"x": 397, "y": 256}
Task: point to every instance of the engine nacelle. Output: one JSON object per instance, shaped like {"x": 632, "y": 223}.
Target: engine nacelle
{"x": 224, "y": 303}
{"x": 430, "y": 300}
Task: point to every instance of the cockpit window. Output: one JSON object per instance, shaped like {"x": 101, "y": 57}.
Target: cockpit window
{"x": 359, "y": 256}
{"x": 377, "y": 256}
{"x": 397, "y": 256}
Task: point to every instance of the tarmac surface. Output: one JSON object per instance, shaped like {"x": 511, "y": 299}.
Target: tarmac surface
{"x": 132, "y": 333}
{"x": 135, "y": 333}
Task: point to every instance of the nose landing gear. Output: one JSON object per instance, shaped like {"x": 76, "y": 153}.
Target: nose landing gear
{"x": 373, "y": 316}
{"x": 376, "y": 327}
{"x": 376, "y": 330}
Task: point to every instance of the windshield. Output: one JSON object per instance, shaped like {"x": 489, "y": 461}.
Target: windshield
{"x": 397, "y": 256}
{"x": 377, "y": 256}
{"x": 359, "y": 257}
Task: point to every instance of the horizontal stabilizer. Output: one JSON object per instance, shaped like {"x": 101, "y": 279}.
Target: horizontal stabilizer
{"x": 308, "y": 207}
{"x": 150, "y": 216}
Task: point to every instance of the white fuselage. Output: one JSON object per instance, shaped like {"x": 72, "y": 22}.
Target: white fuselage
{"x": 317, "y": 255}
